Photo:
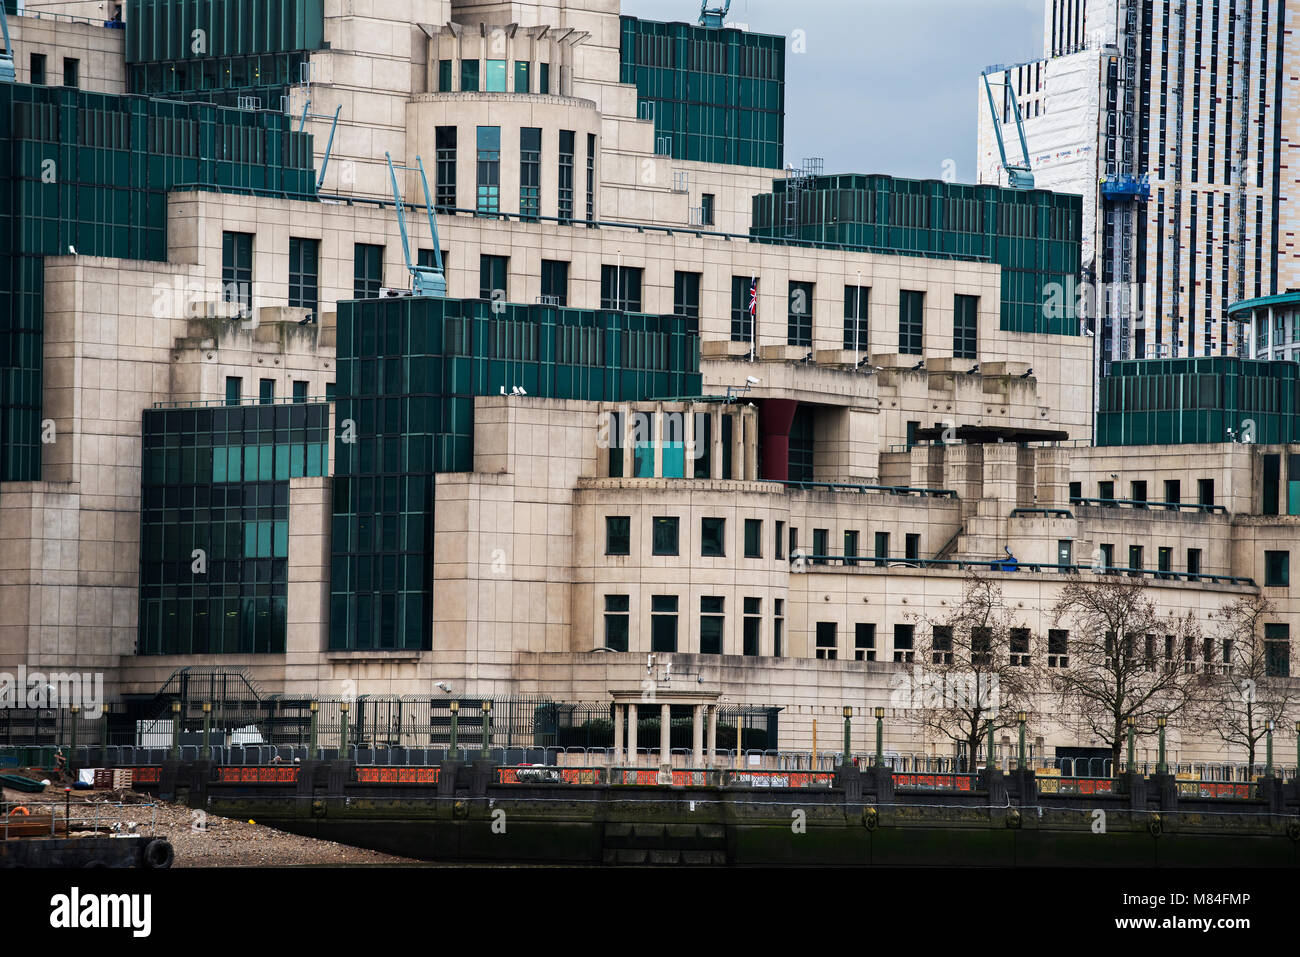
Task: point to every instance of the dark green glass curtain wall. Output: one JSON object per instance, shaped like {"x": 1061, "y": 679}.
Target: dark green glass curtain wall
{"x": 1034, "y": 235}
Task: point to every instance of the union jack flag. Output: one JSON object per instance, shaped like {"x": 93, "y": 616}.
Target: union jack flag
{"x": 753, "y": 299}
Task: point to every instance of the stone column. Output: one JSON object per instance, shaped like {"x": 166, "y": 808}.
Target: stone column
{"x": 618, "y": 734}
{"x": 713, "y": 734}
{"x": 697, "y": 736}
{"x": 631, "y": 735}
{"x": 665, "y": 739}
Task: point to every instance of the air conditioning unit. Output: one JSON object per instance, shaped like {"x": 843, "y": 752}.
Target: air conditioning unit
{"x": 389, "y": 293}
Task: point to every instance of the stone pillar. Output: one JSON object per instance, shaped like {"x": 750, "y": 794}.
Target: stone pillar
{"x": 631, "y": 735}
{"x": 713, "y": 734}
{"x": 697, "y": 736}
{"x": 665, "y": 738}
{"x": 618, "y": 734}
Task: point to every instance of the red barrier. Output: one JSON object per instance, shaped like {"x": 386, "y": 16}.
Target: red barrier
{"x": 270, "y": 775}
{"x": 935, "y": 782}
{"x": 397, "y": 775}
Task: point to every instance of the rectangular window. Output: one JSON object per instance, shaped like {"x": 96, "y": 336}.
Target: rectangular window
{"x": 620, "y": 288}
{"x": 663, "y": 622}
{"x": 1272, "y": 479}
{"x": 521, "y": 76}
{"x": 1020, "y": 657}
{"x": 965, "y": 325}
{"x": 864, "y": 641}
{"x": 444, "y": 76}
{"x": 616, "y": 622}
{"x": 469, "y": 76}
{"x": 778, "y": 626}
{"x": 1065, "y": 554}
{"x": 911, "y": 324}
{"x": 543, "y": 78}
{"x": 234, "y": 390}
{"x": 686, "y": 294}
{"x": 778, "y": 545}
{"x": 1173, "y": 491}
{"x": 850, "y": 546}
{"x": 304, "y": 274}
{"x": 1137, "y": 491}
{"x": 799, "y": 318}
{"x": 819, "y": 546}
{"x": 1108, "y": 556}
{"x": 1277, "y": 569}
{"x": 665, "y": 535}
{"x": 564, "y": 208}
{"x": 591, "y": 177}
{"x": 617, "y": 428}
{"x": 712, "y": 621}
{"x": 618, "y": 535}
{"x": 444, "y": 196}
{"x": 1058, "y": 648}
{"x": 826, "y": 640}
{"x": 555, "y": 282}
{"x": 912, "y": 546}
{"x": 856, "y": 313}
{"x": 706, "y": 209}
{"x": 1076, "y": 491}
{"x": 742, "y": 321}
{"x": 493, "y": 272}
{"x": 71, "y": 72}
{"x": 753, "y": 626}
{"x": 703, "y": 445}
{"x": 265, "y": 391}
{"x": 38, "y": 69}
{"x": 903, "y": 650}
{"x": 712, "y": 537}
{"x": 530, "y": 171}
{"x": 237, "y": 269}
{"x": 488, "y": 199}
{"x": 1164, "y": 561}
{"x": 367, "y": 271}
{"x": 1135, "y": 561}
{"x": 300, "y": 391}
{"x": 753, "y": 538}
{"x": 941, "y": 645}
{"x": 643, "y": 444}
{"x": 1193, "y": 561}
{"x": 1205, "y": 491}
{"x": 882, "y": 548}
{"x": 1106, "y": 491}
{"x": 1277, "y": 650}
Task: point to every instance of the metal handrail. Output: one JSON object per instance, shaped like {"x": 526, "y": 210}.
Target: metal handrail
{"x": 888, "y": 489}
{"x": 1003, "y": 564}
{"x": 1149, "y": 505}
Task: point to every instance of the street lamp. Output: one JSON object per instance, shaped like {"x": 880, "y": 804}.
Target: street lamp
{"x": 880, "y": 736}
{"x": 1161, "y": 722}
{"x": 176, "y": 730}
{"x": 207, "y": 730}
{"x": 1268, "y": 754}
{"x": 848, "y": 716}
{"x": 1131, "y": 723}
{"x": 1297, "y": 750}
{"x": 314, "y": 708}
{"x": 455, "y": 716}
{"x": 487, "y": 729}
{"x": 992, "y": 761}
{"x": 1022, "y": 717}
{"x": 343, "y": 731}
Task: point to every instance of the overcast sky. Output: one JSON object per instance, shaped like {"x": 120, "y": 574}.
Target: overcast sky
{"x": 885, "y": 86}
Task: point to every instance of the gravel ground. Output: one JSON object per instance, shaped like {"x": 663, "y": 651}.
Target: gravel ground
{"x": 206, "y": 840}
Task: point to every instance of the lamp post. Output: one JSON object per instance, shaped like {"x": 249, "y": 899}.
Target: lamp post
{"x": 176, "y": 731}
{"x": 1160, "y": 762}
{"x": 880, "y": 736}
{"x": 207, "y": 730}
{"x": 72, "y": 747}
{"x": 455, "y": 719}
{"x": 1297, "y": 750}
{"x": 343, "y": 730}
{"x": 312, "y": 752}
{"x": 848, "y": 716}
{"x": 487, "y": 729}
{"x": 1131, "y": 723}
{"x": 1268, "y": 753}
{"x": 1022, "y": 717}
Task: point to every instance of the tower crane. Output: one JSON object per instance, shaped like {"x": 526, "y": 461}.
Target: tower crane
{"x": 1019, "y": 175}
{"x": 425, "y": 280}
{"x": 713, "y": 16}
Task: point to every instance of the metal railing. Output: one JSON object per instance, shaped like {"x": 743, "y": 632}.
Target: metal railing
{"x": 1145, "y": 505}
{"x": 67, "y": 816}
{"x": 904, "y": 490}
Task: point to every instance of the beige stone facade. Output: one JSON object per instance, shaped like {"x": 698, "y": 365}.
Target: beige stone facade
{"x": 522, "y": 559}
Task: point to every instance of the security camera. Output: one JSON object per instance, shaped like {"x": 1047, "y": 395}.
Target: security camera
{"x": 753, "y": 380}
{"x": 442, "y": 685}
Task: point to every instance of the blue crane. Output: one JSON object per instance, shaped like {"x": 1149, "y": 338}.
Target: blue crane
{"x": 713, "y": 16}
{"x": 1019, "y": 175}
{"x": 425, "y": 280}
{"x": 7, "y": 72}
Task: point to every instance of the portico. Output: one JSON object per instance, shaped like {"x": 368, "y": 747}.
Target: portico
{"x": 631, "y": 706}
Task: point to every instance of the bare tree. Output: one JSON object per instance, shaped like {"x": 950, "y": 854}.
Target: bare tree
{"x": 979, "y": 667}
{"x": 1125, "y": 660}
{"x": 1239, "y": 697}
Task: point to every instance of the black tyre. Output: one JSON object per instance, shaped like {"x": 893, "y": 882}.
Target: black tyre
{"x": 158, "y": 854}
